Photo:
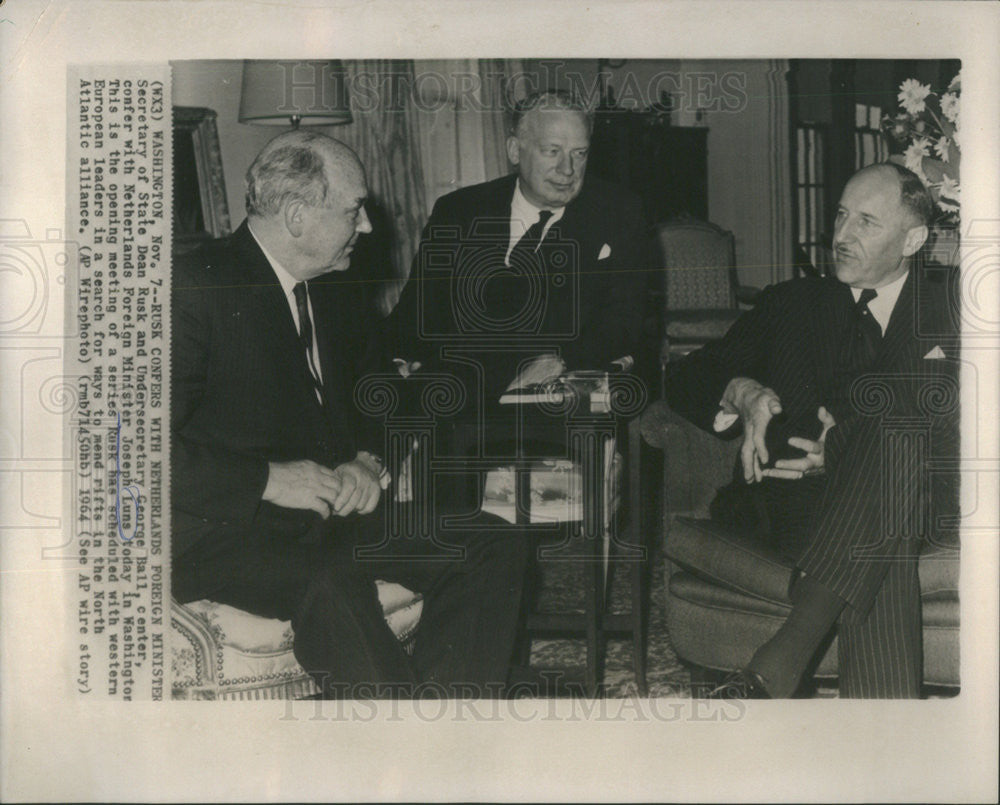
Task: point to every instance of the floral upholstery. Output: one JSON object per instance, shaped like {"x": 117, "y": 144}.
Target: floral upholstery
{"x": 220, "y": 652}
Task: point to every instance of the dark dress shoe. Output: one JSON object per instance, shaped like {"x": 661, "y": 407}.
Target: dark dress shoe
{"x": 743, "y": 684}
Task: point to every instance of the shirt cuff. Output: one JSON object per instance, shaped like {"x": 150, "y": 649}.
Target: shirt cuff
{"x": 724, "y": 421}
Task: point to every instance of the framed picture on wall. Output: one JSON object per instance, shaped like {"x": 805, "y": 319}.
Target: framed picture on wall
{"x": 200, "y": 209}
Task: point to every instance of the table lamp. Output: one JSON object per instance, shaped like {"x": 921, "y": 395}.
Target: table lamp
{"x": 294, "y": 92}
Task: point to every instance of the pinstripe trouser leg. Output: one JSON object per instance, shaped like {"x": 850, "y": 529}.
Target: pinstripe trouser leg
{"x": 882, "y": 655}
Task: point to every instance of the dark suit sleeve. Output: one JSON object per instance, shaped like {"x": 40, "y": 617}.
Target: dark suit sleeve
{"x": 617, "y": 289}
{"x": 695, "y": 384}
{"x": 208, "y": 481}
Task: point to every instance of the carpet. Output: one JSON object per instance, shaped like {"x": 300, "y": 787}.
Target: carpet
{"x": 561, "y": 590}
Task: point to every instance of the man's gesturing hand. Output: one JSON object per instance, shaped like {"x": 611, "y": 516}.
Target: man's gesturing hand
{"x": 813, "y": 461}
{"x": 756, "y": 405}
{"x": 302, "y": 485}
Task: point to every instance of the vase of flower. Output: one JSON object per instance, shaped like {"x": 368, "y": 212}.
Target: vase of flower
{"x": 926, "y": 134}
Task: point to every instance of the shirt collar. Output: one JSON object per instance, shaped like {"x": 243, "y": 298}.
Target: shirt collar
{"x": 524, "y": 211}
{"x": 881, "y": 306}
{"x": 287, "y": 281}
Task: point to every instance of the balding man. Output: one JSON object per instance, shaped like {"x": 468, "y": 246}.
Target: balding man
{"x": 824, "y": 376}
{"x": 275, "y": 479}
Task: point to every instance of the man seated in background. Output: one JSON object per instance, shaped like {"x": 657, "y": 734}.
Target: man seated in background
{"x": 805, "y": 374}
{"x": 275, "y": 478}
{"x": 532, "y": 273}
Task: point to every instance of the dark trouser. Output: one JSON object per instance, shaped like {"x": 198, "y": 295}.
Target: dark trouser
{"x": 881, "y": 654}
{"x": 470, "y": 612}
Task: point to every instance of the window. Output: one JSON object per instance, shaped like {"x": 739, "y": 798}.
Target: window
{"x": 810, "y": 190}
{"x": 869, "y": 145}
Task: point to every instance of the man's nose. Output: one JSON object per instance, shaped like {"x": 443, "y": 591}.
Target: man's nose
{"x": 565, "y": 165}
{"x": 364, "y": 225}
{"x": 842, "y": 231}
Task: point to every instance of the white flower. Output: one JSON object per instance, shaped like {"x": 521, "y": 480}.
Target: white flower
{"x": 949, "y": 106}
{"x": 912, "y": 95}
{"x": 949, "y": 189}
{"x": 914, "y": 156}
{"x": 946, "y": 207}
{"x": 956, "y": 82}
{"x": 941, "y": 148}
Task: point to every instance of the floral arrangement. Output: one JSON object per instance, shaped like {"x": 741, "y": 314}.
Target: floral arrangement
{"x": 928, "y": 129}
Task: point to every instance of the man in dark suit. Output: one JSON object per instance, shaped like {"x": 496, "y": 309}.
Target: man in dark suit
{"x": 844, "y": 390}
{"x": 530, "y": 274}
{"x": 275, "y": 480}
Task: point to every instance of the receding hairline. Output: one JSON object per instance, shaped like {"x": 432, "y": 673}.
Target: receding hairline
{"x": 884, "y": 169}
{"x": 338, "y": 158}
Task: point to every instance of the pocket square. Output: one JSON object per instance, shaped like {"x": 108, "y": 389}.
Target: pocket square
{"x": 605, "y": 252}
{"x": 935, "y": 354}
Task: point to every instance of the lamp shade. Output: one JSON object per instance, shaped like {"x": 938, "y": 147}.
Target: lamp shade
{"x": 294, "y": 92}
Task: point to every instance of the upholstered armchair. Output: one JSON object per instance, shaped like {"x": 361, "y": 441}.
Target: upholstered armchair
{"x": 716, "y": 621}
{"x": 220, "y": 652}
{"x": 701, "y": 287}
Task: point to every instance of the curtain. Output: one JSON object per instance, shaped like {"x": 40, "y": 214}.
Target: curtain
{"x": 392, "y": 128}
{"x": 385, "y": 135}
{"x": 496, "y": 93}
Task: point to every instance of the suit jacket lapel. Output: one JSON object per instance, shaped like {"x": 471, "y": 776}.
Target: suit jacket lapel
{"x": 276, "y": 317}
{"x": 830, "y": 327}
{"x": 899, "y": 337}
{"x": 491, "y": 221}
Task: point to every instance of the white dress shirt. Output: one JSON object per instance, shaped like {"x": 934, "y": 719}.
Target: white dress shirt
{"x": 524, "y": 215}
{"x": 881, "y": 306}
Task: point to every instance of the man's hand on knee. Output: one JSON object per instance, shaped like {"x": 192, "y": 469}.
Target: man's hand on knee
{"x": 756, "y": 406}
{"x": 302, "y": 485}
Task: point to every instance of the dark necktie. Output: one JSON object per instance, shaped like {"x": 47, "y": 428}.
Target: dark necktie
{"x": 867, "y": 332}
{"x": 301, "y": 292}
{"x": 524, "y": 249}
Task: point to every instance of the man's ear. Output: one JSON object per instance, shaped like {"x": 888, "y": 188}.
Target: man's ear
{"x": 513, "y": 150}
{"x": 293, "y": 217}
{"x": 915, "y": 238}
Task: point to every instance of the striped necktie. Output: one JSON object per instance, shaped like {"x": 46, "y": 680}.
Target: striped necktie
{"x": 301, "y": 291}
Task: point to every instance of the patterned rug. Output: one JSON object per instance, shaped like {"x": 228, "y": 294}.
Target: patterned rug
{"x": 561, "y": 590}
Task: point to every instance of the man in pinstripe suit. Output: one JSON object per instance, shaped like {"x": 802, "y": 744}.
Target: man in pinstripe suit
{"x": 817, "y": 374}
